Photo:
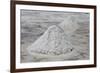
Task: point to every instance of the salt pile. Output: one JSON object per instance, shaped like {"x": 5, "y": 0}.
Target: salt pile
{"x": 69, "y": 25}
{"x": 53, "y": 42}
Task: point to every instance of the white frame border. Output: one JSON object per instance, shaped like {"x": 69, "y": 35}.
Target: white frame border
{"x": 53, "y": 64}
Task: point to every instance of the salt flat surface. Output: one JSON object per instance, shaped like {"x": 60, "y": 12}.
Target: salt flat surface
{"x": 34, "y": 24}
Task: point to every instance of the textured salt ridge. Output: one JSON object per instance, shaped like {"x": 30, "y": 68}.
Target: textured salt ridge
{"x": 53, "y": 42}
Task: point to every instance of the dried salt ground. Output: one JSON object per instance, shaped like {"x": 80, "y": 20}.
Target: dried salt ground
{"x": 75, "y": 49}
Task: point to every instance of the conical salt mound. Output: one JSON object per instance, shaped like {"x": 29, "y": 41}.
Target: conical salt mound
{"x": 53, "y": 42}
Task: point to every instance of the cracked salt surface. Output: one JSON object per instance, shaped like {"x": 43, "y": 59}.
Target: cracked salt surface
{"x": 54, "y": 36}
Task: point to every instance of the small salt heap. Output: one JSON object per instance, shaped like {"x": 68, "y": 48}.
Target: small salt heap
{"x": 69, "y": 25}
